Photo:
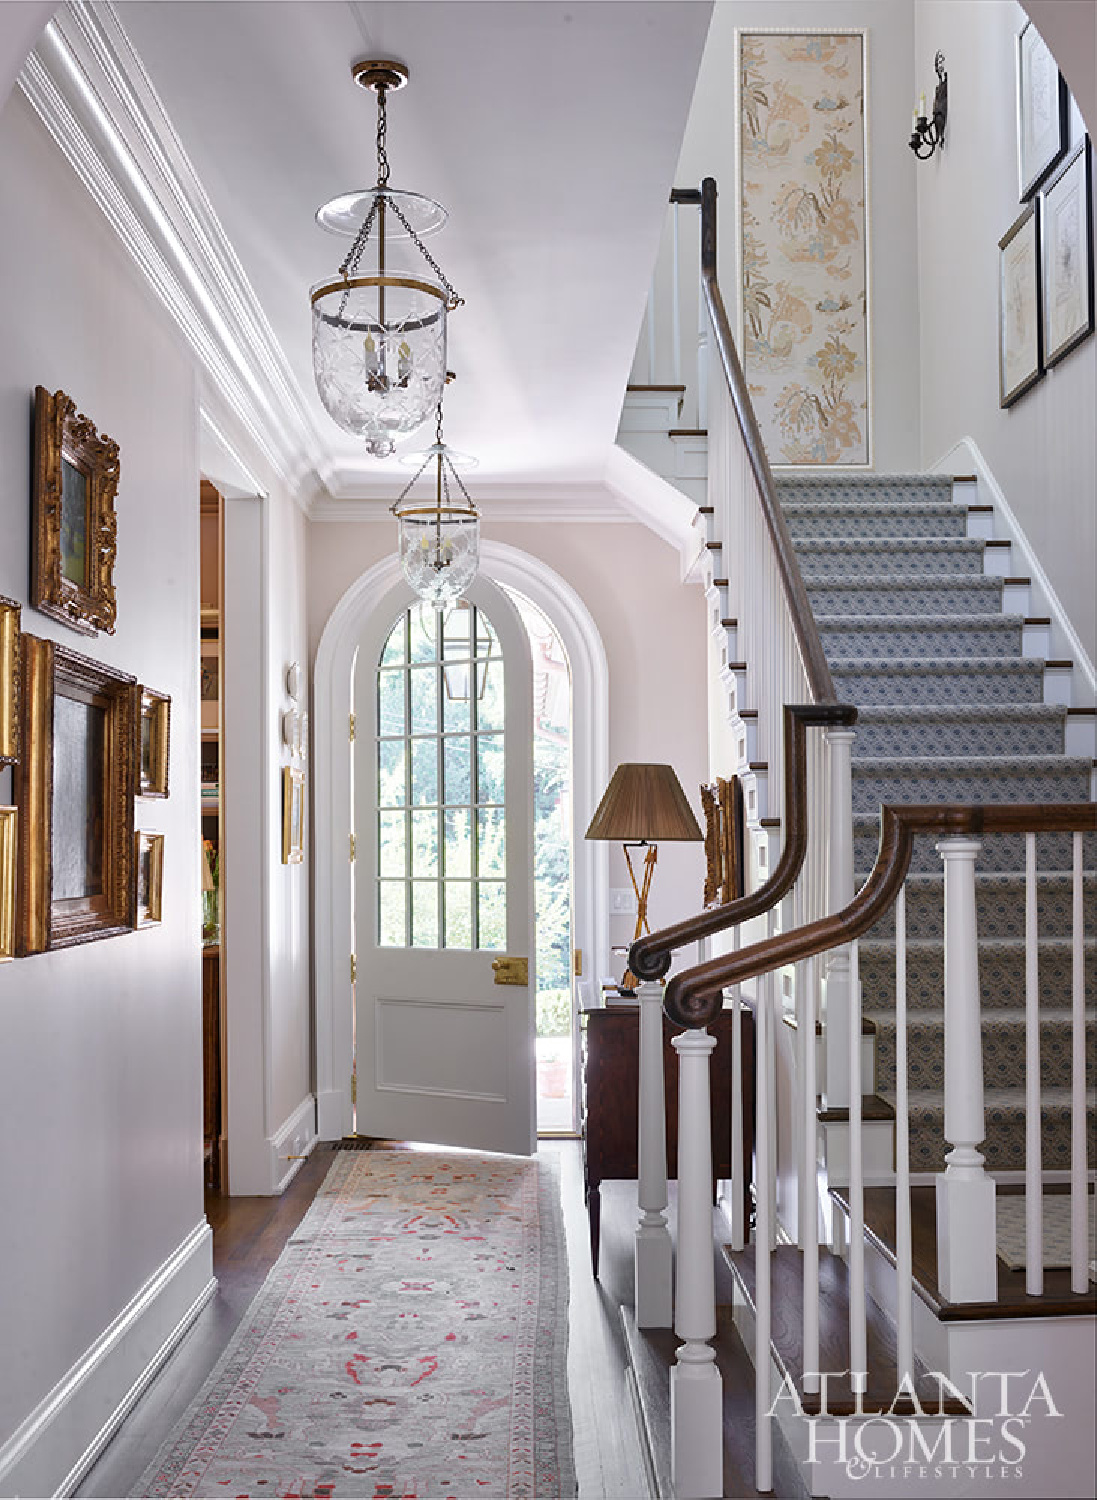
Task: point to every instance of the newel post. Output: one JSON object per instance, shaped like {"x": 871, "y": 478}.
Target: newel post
{"x": 652, "y": 1247}
{"x": 696, "y": 1389}
{"x": 836, "y": 981}
{"x": 966, "y": 1248}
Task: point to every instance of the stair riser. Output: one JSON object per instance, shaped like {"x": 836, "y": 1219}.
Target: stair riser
{"x": 857, "y": 523}
{"x": 937, "y": 734}
{"x": 1004, "y": 1146}
{"x": 930, "y": 785}
{"x": 999, "y": 907}
{"x": 1009, "y": 682}
{"x": 965, "y": 596}
{"x": 917, "y": 489}
{"x": 1001, "y": 977}
{"x": 962, "y": 556}
{"x": 997, "y": 636}
{"x": 1003, "y": 1054}
{"x": 1001, "y": 853}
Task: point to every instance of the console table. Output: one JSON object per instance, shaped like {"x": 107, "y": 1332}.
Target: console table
{"x": 611, "y": 1048}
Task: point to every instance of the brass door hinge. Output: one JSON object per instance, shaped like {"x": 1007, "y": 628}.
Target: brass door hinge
{"x": 353, "y": 848}
{"x": 353, "y": 969}
{"x": 577, "y": 963}
{"x": 352, "y": 725}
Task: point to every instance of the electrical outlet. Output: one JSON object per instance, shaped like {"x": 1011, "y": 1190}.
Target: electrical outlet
{"x": 623, "y": 902}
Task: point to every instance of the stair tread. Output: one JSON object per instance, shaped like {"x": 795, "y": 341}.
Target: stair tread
{"x": 990, "y": 945}
{"x": 921, "y": 621}
{"x": 940, "y": 664}
{"x": 924, "y": 1015}
{"x": 897, "y": 713}
{"x": 997, "y": 764}
{"x": 989, "y": 581}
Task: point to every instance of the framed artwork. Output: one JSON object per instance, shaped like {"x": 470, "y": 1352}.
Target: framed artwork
{"x": 802, "y": 225}
{"x": 722, "y": 804}
{"x": 1066, "y": 243}
{"x": 74, "y": 530}
{"x": 1041, "y": 111}
{"x": 9, "y": 681}
{"x": 148, "y": 878}
{"x": 8, "y": 825}
{"x": 153, "y": 739}
{"x": 1019, "y": 334}
{"x": 293, "y": 815}
{"x": 74, "y": 787}
{"x": 210, "y": 689}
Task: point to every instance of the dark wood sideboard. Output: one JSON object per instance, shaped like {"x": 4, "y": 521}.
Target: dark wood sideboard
{"x": 611, "y": 1050}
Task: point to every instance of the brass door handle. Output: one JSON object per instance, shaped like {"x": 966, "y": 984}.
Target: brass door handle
{"x": 511, "y": 970}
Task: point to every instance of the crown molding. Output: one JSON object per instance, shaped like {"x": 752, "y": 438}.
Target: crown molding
{"x": 89, "y": 87}
{"x": 577, "y": 503}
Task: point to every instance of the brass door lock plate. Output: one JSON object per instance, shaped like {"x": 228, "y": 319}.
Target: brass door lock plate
{"x": 511, "y": 970}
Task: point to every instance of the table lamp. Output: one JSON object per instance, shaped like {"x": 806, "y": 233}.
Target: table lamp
{"x": 643, "y": 806}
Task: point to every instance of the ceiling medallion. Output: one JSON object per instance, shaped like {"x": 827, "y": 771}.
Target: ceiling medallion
{"x": 379, "y": 326}
{"x": 439, "y": 540}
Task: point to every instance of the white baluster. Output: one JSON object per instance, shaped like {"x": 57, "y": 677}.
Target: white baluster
{"x": 858, "y": 1320}
{"x": 1079, "y": 1198}
{"x": 651, "y": 332}
{"x": 1034, "y": 1173}
{"x": 810, "y": 1219}
{"x": 839, "y": 894}
{"x": 676, "y": 302}
{"x": 966, "y": 1253}
{"x": 903, "y": 1266}
{"x": 702, "y": 361}
{"x": 763, "y": 1436}
{"x": 652, "y": 1255}
{"x": 696, "y": 1389}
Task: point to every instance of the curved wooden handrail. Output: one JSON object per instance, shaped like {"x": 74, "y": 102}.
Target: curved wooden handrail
{"x": 694, "y": 996}
{"x": 803, "y": 620}
{"x": 650, "y": 957}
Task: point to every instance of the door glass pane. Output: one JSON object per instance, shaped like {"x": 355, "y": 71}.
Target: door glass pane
{"x": 487, "y": 643}
{"x": 458, "y": 913}
{"x": 423, "y": 630}
{"x": 392, "y": 841}
{"x": 395, "y": 652}
{"x": 391, "y": 791}
{"x": 424, "y": 772}
{"x": 493, "y": 915}
{"x": 424, "y": 847}
{"x": 456, "y": 627}
{"x": 424, "y": 914}
{"x": 489, "y": 772}
{"x": 489, "y": 706}
{"x": 458, "y": 852}
{"x": 457, "y": 757}
{"x": 491, "y": 845}
{"x": 390, "y": 702}
{"x": 456, "y": 705}
{"x": 391, "y": 928}
{"x": 424, "y": 700}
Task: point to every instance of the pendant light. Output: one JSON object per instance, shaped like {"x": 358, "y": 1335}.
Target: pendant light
{"x": 439, "y": 541}
{"x": 379, "y": 327}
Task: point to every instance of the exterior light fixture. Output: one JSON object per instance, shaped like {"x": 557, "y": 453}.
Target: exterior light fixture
{"x": 439, "y": 541}
{"x": 927, "y": 135}
{"x": 379, "y": 327}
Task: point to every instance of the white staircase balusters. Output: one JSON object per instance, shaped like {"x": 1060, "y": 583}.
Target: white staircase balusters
{"x": 809, "y": 1217}
{"x": 1034, "y": 1166}
{"x": 696, "y": 1389}
{"x": 966, "y": 1253}
{"x": 738, "y": 1227}
{"x": 652, "y": 1255}
{"x": 675, "y": 301}
{"x": 903, "y": 1267}
{"x": 858, "y": 1330}
{"x": 838, "y": 1000}
{"x": 1079, "y": 1200}
{"x": 765, "y": 1101}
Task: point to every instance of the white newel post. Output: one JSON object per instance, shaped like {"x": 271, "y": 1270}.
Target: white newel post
{"x": 966, "y": 1249}
{"x": 652, "y": 1250}
{"x": 836, "y": 996}
{"x": 696, "y": 1390}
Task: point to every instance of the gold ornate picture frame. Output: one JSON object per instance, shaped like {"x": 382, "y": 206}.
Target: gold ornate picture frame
{"x": 9, "y": 823}
{"x": 74, "y": 787}
{"x": 722, "y": 803}
{"x": 9, "y": 681}
{"x": 148, "y": 878}
{"x": 293, "y": 815}
{"x": 74, "y": 530}
{"x": 152, "y": 742}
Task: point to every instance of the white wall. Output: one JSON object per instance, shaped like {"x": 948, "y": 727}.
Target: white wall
{"x": 100, "y": 1066}
{"x": 653, "y": 630}
{"x": 1042, "y": 450}
{"x": 708, "y": 150}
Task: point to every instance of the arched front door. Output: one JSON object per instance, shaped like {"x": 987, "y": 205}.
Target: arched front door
{"x": 444, "y": 874}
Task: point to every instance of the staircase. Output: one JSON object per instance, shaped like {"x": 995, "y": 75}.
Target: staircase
{"x": 951, "y": 708}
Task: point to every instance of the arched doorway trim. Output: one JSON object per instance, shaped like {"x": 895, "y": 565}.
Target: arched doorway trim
{"x": 333, "y": 675}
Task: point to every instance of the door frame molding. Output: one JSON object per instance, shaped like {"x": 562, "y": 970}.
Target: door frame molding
{"x": 333, "y": 687}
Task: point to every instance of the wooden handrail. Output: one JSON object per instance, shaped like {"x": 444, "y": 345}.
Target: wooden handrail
{"x": 694, "y": 996}
{"x": 803, "y": 620}
{"x": 650, "y": 957}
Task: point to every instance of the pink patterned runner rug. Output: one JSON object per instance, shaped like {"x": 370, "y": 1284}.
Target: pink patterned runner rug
{"x": 411, "y": 1341}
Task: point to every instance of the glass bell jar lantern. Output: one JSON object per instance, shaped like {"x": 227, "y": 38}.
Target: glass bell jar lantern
{"x": 379, "y": 324}
{"x": 439, "y": 538}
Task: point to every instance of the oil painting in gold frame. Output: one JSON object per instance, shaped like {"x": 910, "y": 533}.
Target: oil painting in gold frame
{"x": 722, "y": 804}
{"x": 9, "y": 681}
{"x": 74, "y": 786}
{"x": 148, "y": 878}
{"x": 153, "y": 742}
{"x": 293, "y": 815}
{"x": 9, "y": 822}
{"x": 74, "y": 530}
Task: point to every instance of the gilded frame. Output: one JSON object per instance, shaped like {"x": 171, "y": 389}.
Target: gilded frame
{"x": 722, "y": 803}
{"x": 46, "y": 919}
{"x": 293, "y": 815}
{"x": 152, "y": 742}
{"x": 148, "y": 888}
{"x": 9, "y": 825}
{"x": 10, "y": 613}
{"x": 73, "y": 581}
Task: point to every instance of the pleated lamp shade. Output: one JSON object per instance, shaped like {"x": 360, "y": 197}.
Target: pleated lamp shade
{"x": 644, "y": 802}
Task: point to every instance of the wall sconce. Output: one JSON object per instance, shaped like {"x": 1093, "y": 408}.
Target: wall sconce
{"x": 927, "y": 135}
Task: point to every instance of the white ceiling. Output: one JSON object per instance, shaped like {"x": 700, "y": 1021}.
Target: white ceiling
{"x": 550, "y": 131}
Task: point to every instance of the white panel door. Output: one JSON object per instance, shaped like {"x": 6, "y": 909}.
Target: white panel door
{"x": 443, "y": 778}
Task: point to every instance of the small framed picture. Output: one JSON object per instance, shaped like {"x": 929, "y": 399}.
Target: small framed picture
{"x": 8, "y": 824}
{"x": 293, "y": 815}
{"x": 1019, "y": 334}
{"x": 153, "y": 739}
{"x": 1066, "y": 242}
{"x": 9, "y": 681}
{"x": 74, "y": 529}
{"x": 210, "y": 689}
{"x": 148, "y": 878}
{"x": 1041, "y": 111}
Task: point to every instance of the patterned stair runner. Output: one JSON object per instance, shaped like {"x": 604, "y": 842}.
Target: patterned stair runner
{"x": 949, "y": 711}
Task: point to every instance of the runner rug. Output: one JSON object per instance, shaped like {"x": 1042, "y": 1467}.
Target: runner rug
{"x": 411, "y": 1340}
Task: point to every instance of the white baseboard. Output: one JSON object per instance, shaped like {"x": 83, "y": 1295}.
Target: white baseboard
{"x": 54, "y": 1447}
{"x": 291, "y": 1143}
{"x": 332, "y": 1115}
